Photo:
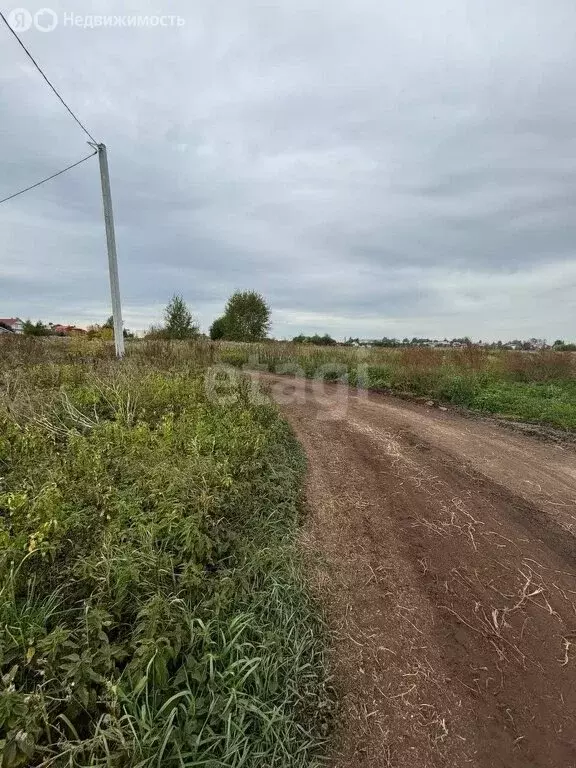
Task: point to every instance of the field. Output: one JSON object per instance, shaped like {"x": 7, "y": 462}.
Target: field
{"x": 175, "y": 590}
{"x": 153, "y": 610}
{"x": 538, "y": 387}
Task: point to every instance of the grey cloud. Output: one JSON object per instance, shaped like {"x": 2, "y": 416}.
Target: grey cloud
{"x": 372, "y": 167}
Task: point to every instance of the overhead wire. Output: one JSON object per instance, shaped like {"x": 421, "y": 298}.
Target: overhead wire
{"x": 33, "y": 186}
{"x": 38, "y": 67}
{"x": 77, "y": 120}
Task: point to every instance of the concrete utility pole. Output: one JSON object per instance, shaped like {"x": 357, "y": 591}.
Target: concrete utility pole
{"x": 112, "y": 257}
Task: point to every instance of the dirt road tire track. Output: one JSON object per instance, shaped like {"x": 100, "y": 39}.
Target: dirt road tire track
{"x": 443, "y": 552}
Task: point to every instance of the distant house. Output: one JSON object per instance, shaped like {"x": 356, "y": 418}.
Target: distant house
{"x": 67, "y": 330}
{"x": 433, "y": 343}
{"x": 13, "y": 324}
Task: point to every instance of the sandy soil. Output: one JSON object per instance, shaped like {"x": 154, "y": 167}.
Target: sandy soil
{"x": 443, "y": 550}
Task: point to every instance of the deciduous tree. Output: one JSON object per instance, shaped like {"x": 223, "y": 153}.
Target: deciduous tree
{"x": 246, "y": 317}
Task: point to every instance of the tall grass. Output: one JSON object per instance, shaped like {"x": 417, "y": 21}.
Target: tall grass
{"x": 538, "y": 387}
{"x": 526, "y": 386}
{"x": 153, "y": 610}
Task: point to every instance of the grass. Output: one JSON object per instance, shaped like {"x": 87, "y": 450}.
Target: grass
{"x": 537, "y": 387}
{"x": 153, "y": 610}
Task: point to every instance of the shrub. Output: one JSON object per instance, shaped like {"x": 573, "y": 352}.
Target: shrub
{"x": 458, "y": 389}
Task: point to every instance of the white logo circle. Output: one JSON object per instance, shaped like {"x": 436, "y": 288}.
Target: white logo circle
{"x": 20, "y": 20}
{"x": 45, "y": 20}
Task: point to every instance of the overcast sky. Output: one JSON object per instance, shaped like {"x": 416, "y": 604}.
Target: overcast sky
{"x": 373, "y": 167}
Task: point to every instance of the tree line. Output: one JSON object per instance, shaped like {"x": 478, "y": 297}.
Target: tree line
{"x": 246, "y": 317}
{"x": 104, "y": 331}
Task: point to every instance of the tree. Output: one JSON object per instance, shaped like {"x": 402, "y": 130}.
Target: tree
{"x": 35, "y": 329}
{"x": 320, "y": 341}
{"x": 218, "y": 329}
{"x": 386, "y": 342}
{"x": 246, "y": 317}
{"x": 106, "y": 331}
{"x": 179, "y": 322}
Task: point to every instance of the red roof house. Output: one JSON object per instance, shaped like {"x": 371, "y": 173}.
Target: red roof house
{"x": 12, "y": 323}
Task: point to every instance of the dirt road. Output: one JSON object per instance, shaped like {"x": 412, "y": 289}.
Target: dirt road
{"x": 443, "y": 549}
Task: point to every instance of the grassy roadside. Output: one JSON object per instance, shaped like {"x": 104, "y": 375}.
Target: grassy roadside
{"x": 153, "y": 610}
{"x": 521, "y": 386}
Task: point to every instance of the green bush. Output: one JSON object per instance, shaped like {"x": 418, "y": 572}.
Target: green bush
{"x": 460, "y": 389}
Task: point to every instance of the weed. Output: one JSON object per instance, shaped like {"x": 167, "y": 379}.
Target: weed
{"x": 152, "y": 604}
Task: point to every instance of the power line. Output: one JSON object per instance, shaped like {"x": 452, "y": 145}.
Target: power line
{"x": 33, "y": 60}
{"x": 49, "y": 178}
{"x": 100, "y": 150}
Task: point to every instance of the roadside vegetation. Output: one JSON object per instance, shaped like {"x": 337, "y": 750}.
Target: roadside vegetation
{"x": 153, "y": 610}
{"x": 535, "y": 386}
